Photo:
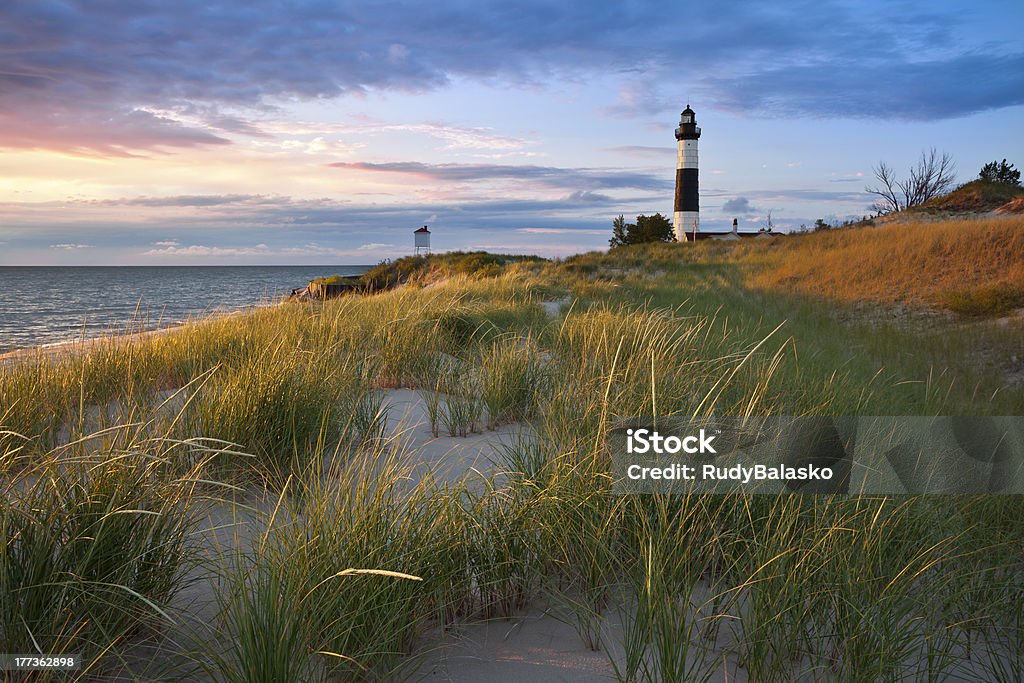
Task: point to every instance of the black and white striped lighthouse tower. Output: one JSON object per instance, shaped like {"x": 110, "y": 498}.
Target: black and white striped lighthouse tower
{"x": 686, "y": 217}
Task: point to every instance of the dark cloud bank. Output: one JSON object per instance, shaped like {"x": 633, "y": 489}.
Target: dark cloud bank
{"x": 117, "y": 78}
{"x": 548, "y": 176}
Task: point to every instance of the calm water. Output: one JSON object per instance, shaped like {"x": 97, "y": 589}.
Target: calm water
{"x": 49, "y": 304}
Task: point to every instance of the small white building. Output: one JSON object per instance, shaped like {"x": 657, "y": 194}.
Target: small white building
{"x": 422, "y": 241}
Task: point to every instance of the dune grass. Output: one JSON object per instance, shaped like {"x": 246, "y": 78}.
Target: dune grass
{"x": 943, "y": 264}
{"x": 358, "y": 561}
{"x": 95, "y": 545}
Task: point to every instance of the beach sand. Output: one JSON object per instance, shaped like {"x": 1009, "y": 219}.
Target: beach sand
{"x": 535, "y": 646}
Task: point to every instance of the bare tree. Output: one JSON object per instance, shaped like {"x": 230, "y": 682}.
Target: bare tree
{"x": 889, "y": 200}
{"x": 932, "y": 177}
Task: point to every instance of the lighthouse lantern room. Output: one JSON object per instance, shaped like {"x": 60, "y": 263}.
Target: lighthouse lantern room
{"x": 686, "y": 216}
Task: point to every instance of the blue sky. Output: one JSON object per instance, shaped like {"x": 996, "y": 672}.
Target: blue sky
{"x": 316, "y": 132}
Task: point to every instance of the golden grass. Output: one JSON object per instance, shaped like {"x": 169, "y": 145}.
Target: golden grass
{"x": 929, "y": 263}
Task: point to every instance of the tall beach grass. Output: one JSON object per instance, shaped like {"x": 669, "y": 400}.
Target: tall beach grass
{"x": 356, "y": 560}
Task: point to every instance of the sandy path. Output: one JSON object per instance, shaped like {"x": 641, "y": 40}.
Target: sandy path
{"x": 532, "y": 647}
{"x": 448, "y": 458}
{"x": 225, "y": 528}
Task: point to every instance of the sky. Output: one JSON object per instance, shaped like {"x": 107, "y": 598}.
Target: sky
{"x": 320, "y": 132}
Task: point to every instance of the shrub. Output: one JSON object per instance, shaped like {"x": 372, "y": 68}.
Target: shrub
{"x": 993, "y": 300}
{"x": 1000, "y": 172}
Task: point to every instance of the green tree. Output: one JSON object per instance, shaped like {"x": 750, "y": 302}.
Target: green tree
{"x": 654, "y": 228}
{"x": 1000, "y": 172}
{"x": 620, "y": 232}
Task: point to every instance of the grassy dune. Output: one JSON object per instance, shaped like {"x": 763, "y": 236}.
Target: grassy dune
{"x": 109, "y": 458}
{"x": 967, "y": 265}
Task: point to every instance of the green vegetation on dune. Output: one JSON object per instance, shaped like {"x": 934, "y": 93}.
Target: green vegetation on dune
{"x": 290, "y": 400}
{"x": 976, "y": 196}
{"x": 353, "y": 280}
{"x": 435, "y": 266}
{"x": 837, "y": 358}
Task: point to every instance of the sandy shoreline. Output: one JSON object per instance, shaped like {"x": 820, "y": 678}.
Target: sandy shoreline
{"x": 77, "y": 346}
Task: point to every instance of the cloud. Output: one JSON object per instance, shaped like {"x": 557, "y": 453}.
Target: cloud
{"x": 88, "y": 128}
{"x": 561, "y": 231}
{"x": 182, "y": 200}
{"x": 547, "y": 176}
{"x": 800, "y": 194}
{"x": 283, "y": 222}
{"x": 857, "y": 177}
{"x": 643, "y": 95}
{"x": 278, "y": 229}
{"x": 120, "y": 78}
{"x": 581, "y": 196}
{"x": 454, "y": 137}
{"x": 203, "y": 223}
{"x": 283, "y": 249}
{"x": 207, "y": 251}
{"x": 925, "y": 90}
{"x": 70, "y": 246}
{"x": 739, "y": 205}
{"x": 644, "y": 151}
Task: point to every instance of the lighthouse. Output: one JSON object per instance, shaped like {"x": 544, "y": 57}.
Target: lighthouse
{"x": 686, "y": 216}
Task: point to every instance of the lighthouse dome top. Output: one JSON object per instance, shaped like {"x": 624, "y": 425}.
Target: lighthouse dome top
{"x": 687, "y": 129}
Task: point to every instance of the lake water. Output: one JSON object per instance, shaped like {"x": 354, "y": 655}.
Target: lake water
{"x": 42, "y": 305}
